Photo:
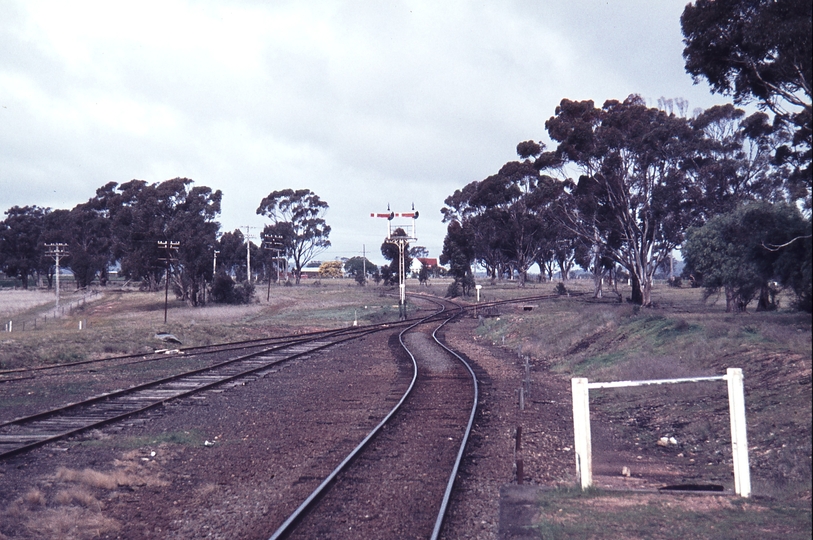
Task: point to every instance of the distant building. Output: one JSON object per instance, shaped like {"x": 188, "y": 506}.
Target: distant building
{"x": 431, "y": 265}
{"x": 311, "y": 270}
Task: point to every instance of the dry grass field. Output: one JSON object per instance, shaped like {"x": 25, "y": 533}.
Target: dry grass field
{"x": 118, "y": 321}
{"x": 13, "y": 302}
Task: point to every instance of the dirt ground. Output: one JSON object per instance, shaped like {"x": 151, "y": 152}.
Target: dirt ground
{"x": 216, "y": 466}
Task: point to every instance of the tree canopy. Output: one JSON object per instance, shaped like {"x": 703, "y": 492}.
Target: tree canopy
{"x": 758, "y": 50}
{"x": 121, "y": 223}
{"x": 20, "y": 248}
{"x": 356, "y": 266}
{"x": 633, "y": 198}
{"x": 742, "y": 252}
{"x": 391, "y": 252}
{"x": 298, "y": 217}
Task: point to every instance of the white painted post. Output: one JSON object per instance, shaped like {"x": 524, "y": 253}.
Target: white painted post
{"x": 739, "y": 440}
{"x": 581, "y": 432}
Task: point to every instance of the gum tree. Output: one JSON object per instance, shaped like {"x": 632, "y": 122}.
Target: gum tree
{"x": 298, "y": 217}
{"x": 632, "y": 198}
{"x": 743, "y": 251}
{"x": 20, "y": 246}
{"x": 759, "y": 50}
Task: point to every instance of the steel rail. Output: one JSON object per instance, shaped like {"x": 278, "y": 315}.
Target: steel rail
{"x": 475, "y": 401}
{"x": 61, "y": 415}
{"x": 293, "y": 520}
{"x": 217, "y": 349}
{"x": 234, "y": 345}
{"x": 206, "y": 349}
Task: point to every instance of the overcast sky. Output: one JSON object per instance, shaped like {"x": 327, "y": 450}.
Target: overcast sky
{"x": 366, "y": 103}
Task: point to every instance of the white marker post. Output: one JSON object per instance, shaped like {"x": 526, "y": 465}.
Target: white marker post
{"x": 581, "y": 432}
{"x": 739, "y": 439}
{"x": 736, "y": 405}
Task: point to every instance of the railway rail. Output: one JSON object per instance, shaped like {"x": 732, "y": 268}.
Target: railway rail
{"x": 25, "y": 433}
{"x": 398, "y": 480}
{"x": 19, "y": 435}
{"x": 32, "y": 429}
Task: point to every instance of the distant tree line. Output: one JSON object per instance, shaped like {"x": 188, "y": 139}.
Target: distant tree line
{"x": 149, "y": 231}
{"x": 627, "y": 184}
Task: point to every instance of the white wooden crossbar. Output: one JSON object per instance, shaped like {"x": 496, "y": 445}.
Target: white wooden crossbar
{"x": 622, "y": 384}
{"x": 736, "y": 406}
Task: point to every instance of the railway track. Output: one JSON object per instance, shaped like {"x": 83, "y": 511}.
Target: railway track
{"x": 34, "y": 429}
{"x": 25, "y": 433}
{"x": 398, "y": 481}
{"x": 276, "y": 439}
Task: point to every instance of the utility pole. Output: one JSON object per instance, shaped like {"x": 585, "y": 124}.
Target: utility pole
{"x": 364, "y": 262}
{"x": 214, "y": 264}
{"x": 168, "y": 246}
{"x": 248, "y": 238}
{"x": 56, "y": 251}
{"x": 273, "y": 242}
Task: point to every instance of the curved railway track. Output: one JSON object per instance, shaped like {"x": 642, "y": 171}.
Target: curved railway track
{"x": 398, "y": 481}
{"x": 440, "y": 436}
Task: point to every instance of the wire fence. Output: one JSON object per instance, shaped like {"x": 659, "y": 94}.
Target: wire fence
{"x": 40, "y": 322}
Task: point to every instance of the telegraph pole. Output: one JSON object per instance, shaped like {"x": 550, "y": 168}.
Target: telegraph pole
{"x": 273, "y": 242}
{"x": 56, "y": 251}
{"x": 168, "y": 246}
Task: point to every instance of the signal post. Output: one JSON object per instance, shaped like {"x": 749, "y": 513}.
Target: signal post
{"x": 401, "y": 241}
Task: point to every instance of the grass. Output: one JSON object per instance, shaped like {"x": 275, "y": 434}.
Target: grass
{"x": 125, "y": 322}
{"x": 570, "y": 336}
{"x": 565, "y": 514}
{"x": 681, "y": 336}
{"x": 72, "y": 505}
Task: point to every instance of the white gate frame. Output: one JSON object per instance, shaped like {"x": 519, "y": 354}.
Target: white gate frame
{"x": 736, "y": 408}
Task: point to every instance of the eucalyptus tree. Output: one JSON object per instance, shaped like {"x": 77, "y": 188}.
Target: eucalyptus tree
{"x": 633, "y": 198}
{"x": 735, "y": 161}
{"x": 759, "y": 50}
{"x": 360, "y": 269}
{"x": 21, "y": 250}
{"x": 90, "y": 242}
{"x": 142, "y": 215}
{"x": 506, "y": 215}
{"x": 298, "y": 217}
{"x": 231, "y": 257}
{"x": 459, "y": 253}
{"x": 392, "y": 253}
{"x": 483, "y": 236}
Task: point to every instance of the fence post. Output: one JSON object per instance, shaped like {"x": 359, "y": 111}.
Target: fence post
{"x": 739, "y": 439}
{"x": 581, "y": 431}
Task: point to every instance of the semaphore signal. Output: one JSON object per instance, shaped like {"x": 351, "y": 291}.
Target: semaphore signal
{"x": 401, "y": 241}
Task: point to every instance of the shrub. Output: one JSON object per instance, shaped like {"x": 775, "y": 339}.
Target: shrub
{"x": 225, "y": 291}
